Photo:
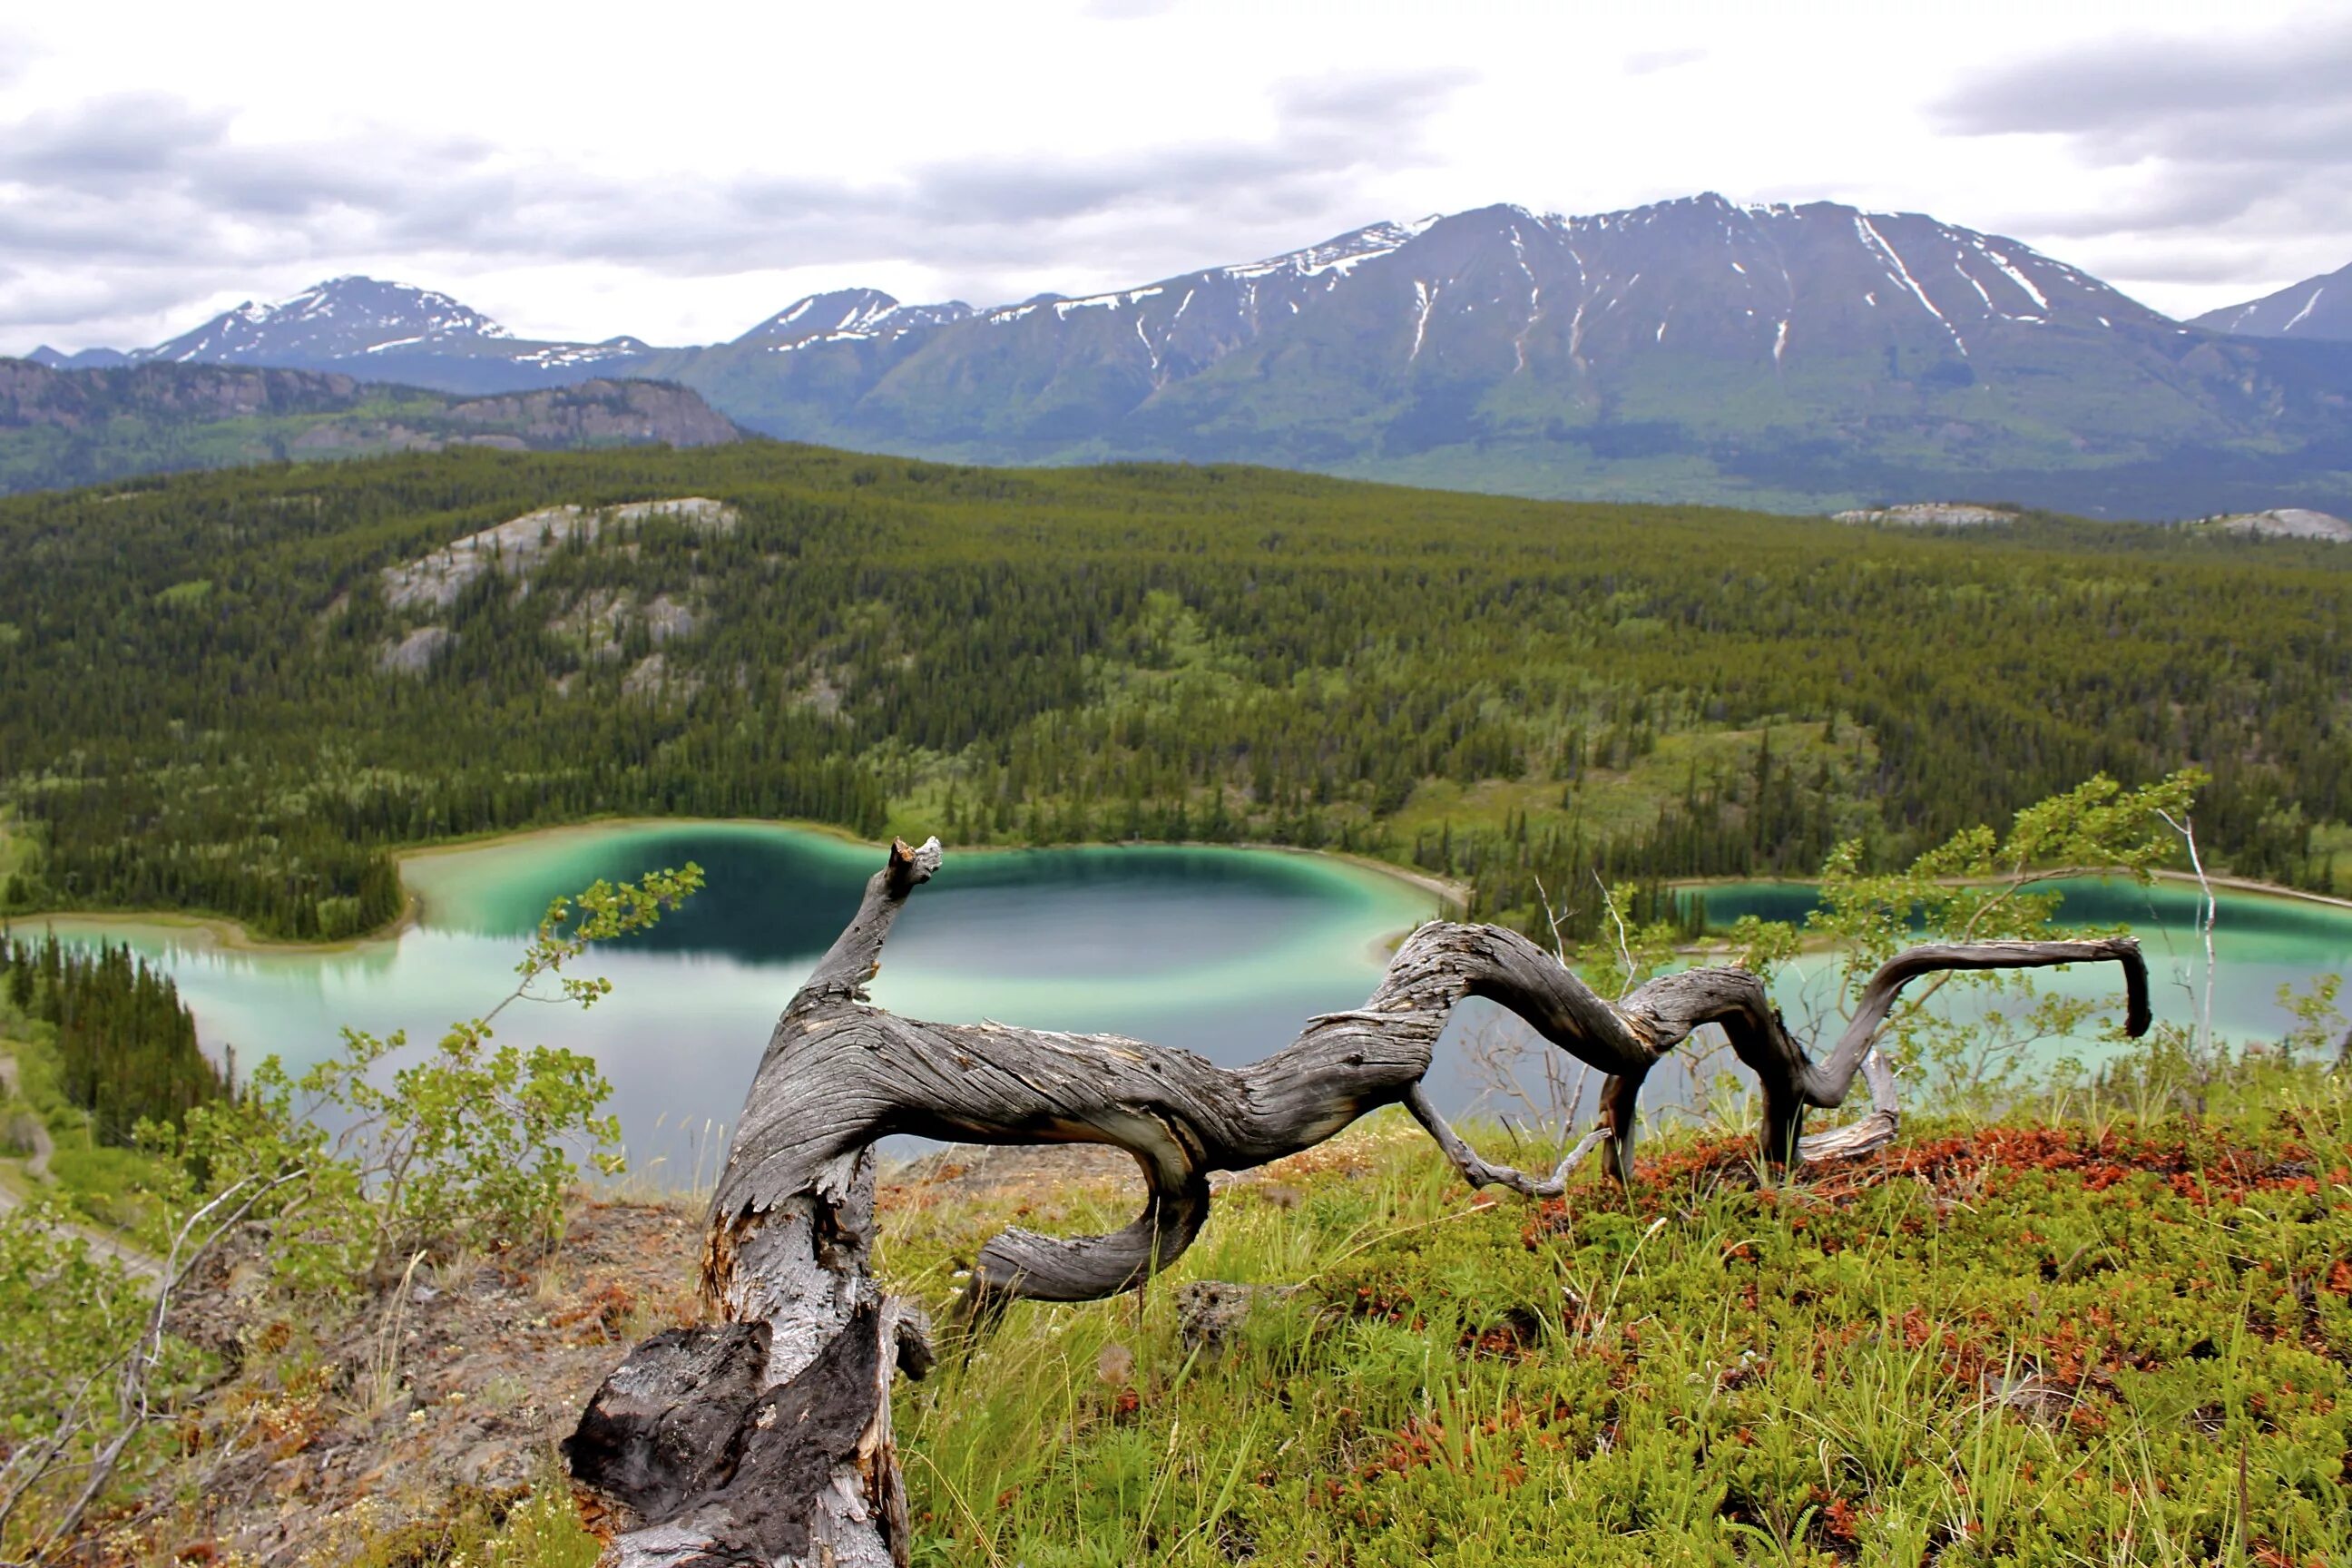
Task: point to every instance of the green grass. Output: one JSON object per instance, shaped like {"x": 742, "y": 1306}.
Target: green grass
{"x": 16, "y": 850}
{"x": 106, "y": 1185}
{"x": 1621, "y": 801}
{"x": 2105, "y": 1342}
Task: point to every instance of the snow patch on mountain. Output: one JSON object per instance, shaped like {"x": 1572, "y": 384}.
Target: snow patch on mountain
{"x": 341, "y": 318}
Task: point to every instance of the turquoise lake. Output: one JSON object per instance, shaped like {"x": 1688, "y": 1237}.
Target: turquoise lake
{"x": 1224, "y": 951}
{"x": 2261, "y": 941}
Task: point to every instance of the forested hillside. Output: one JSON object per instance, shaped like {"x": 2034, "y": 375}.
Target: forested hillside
{"x": 236, "y": 692}
{"x": 61, "y": 428}
{"x": 124, "y": 1046}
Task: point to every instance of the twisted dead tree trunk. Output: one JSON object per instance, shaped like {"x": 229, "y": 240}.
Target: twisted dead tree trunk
{"x": 763, "y": 1437}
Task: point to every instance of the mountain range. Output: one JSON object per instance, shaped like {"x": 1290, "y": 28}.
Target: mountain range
{"x": 1802, "y": 357}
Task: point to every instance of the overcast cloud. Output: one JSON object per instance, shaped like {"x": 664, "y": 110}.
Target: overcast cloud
{"x": 2226, "y": 157}
{"x": 578, "y": 174}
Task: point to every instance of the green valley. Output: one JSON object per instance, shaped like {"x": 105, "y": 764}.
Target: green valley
{"x": 236, "y": 692}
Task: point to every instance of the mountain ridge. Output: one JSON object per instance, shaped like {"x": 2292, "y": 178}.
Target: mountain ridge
{"x": 2318, "y": 308}
{"x": 1807, "y": 357}
{"x": 60, "y": 428}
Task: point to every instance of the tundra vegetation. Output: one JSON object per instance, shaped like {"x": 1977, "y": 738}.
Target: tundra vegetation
{"x": 2093, "y": 1313}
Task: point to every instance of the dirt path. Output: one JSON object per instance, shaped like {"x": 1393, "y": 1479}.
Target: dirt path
{"x": 37, "y": 1162}
{"x": 36, "y": 1166}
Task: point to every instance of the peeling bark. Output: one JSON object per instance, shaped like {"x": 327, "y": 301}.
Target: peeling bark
{"x": 765, "y": 1437}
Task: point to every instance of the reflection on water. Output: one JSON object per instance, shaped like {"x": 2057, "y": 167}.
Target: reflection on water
{"x": 1222, "y": 952}
{"x": 2261, "y": 941}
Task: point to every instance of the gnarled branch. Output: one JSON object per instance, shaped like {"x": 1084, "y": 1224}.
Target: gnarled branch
{"x": 791, "y": 1225}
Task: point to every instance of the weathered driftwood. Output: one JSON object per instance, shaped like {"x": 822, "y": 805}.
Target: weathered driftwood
{"x": 765, "y": 1437}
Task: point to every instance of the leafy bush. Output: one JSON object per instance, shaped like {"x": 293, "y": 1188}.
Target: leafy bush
{"x": 471, "y": 1147}
{"x": 69, "y": 1317}
{"x": 1979, "y": 886}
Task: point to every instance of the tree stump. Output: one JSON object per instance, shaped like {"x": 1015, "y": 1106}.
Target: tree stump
{"x": 763, "y": 1437}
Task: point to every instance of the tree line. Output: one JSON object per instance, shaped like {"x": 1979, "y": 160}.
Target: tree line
{"x": 126, "y": 1045}
{"x": 197, "y": 709}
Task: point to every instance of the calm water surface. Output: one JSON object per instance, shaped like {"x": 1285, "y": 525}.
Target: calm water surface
{"x": 2261, "y": 941}
{"x": 1223, "y": 952}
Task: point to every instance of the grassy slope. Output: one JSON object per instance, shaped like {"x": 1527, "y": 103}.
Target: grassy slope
{"x": 99, "y": 1183}
{"x": 2096, "y": 1342}
{"x": 2083, "y": 1334}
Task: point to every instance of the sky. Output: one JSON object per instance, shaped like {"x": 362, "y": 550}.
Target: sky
{"x": 681, "y": 170}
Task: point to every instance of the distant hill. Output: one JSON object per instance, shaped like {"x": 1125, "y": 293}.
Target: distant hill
{"x": 238, "y": 691}
{"x": 64, "y": 427}
{"x": 2286, "y": 523}
{"x": 2317, "y": 310}
{"x": 1803, "y": 358}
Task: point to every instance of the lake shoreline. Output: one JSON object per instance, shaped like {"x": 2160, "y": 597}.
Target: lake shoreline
{"x": 2189, "y": 878}
{"x": 226, "y": 935}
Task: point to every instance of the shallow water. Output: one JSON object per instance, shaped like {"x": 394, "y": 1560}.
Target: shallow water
{"x": 1224, "y": 951}
{"x": 2261, "y": 941}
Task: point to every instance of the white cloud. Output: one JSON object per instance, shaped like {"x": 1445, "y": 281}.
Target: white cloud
{"x": 679, "y": 175}
{"x": 2221, "y": 158}
{"x": 1649, "y": 62}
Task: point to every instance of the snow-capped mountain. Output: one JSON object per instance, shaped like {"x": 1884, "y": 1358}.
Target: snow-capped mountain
{"x": 1503, "y": 348}
{"x": 846, "y": 315}
{"x": 1505, "y": 293}
{"x": 329, "y": 320}
{"x": 2316, "y": 310}
{"x": 1766, "y": 352}
{"x": 379, "y": 331}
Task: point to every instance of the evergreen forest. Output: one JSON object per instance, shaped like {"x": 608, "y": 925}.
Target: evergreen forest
{"x": 239, "y": 692}
{"x": 124, "y": 1043}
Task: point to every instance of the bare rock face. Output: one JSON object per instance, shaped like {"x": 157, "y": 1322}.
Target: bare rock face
{"x": 652, "y": 680}
{"x": 1931, "y": 514}
{"x": 517, "y": 545}
{"x": 2288, "y": 522}
{"x": 596, "y": 412}
{"x": 415, "y": 653}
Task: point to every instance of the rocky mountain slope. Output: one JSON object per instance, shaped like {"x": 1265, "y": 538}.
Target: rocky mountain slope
{"x": 1800, "y": 357}
{"x": 2317, "y": 310}
{"x": 1789, "y": 356}
{"x": 378, "y": 331}
{"x": 75, "y": 426}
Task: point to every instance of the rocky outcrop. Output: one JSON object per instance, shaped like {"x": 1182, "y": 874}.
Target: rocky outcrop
{"x": 1931, "y": 514}
{"x": 415, "y": 653}
{"x": 600, "y": 413}
{"x": 598, "y": 621}
{"x": 32, "y": 394}
{"x": 2287, "y": 523}
{"x": 514, "y": 547}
